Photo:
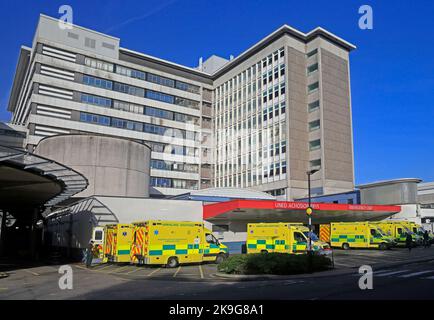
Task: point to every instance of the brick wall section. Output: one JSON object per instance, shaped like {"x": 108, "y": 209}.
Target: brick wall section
{"x": 337, "y": 144}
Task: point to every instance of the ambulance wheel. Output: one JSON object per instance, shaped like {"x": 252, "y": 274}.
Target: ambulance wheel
{"x": 383, "y": 246}
{"x": 345, "y": 246}
{"x": 264, "y": 251}
{"x": 220, "y": 258}
{"x": 172, "y": 262}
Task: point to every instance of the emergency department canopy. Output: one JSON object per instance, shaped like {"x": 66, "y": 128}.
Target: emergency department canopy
{"x": 286, "y": 211}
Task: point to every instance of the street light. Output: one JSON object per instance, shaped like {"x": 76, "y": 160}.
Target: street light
{"x": 309, "y": 213}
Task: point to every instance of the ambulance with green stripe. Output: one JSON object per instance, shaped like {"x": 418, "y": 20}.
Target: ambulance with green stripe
{"x": 281, "y": 237}
{"x": 398, "y": 231}
{"x": 171, "y": 243}
{"x": 347, "y": 235}
{"x": 117, "y": 242}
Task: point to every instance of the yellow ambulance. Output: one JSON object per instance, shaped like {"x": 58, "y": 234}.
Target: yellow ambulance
{"x": 347, "y": 235}
{"x": 171, "y": 243}
{"x": 397, "y": 230}
{"x": 278, "y": 237}
{"x": 98, "y": 241}
{"x": 117, "y": 242}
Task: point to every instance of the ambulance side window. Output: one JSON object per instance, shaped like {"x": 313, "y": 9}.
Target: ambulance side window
{"x": 210, "y": 238}
{"x": 299, "y": 237}
{"x": 98, "y": 235}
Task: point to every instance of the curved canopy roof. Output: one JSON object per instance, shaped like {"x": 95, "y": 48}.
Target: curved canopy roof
{"x": 28, "y": 180}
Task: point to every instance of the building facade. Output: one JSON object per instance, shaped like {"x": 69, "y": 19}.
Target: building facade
{"x": 259, "y": 120}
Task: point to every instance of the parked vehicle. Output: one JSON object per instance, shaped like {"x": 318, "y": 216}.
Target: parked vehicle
{"x": 98, "y": 241}
{"x": 172, "y": 243}
{"x": 117, "y": 242}
{"x": 398, "y": 231}
{"x": 348, "y": 235}
{"x": 280, "y": 237}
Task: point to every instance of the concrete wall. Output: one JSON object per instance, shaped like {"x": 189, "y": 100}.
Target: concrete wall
{"x": 390, "y": 193}
{"x": 336, "y": 124}
{"x": 113, "y": 166}
{"x": 70, "y": 229}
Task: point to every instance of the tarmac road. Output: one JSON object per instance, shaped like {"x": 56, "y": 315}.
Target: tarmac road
{"x": 403, "y": 281}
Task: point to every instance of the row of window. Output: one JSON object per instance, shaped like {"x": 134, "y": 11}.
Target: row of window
{"x": 138, "y": 126}
{"x": 173, "y": 149}
{"x": 174, "y": 166}
{"x": 133, "y": 73}
{"x": 268, "y": 96}
{"x": 130, "y": 107}
{"x": 174, "y": 183}
{"x": 274, "y": 169}
{"x": 140, "y": 92}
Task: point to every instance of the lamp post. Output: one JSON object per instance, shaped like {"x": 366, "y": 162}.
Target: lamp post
{"x": 309, "y": 213}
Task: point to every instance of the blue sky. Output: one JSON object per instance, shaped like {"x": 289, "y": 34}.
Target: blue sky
{"x": 392, "y": 71}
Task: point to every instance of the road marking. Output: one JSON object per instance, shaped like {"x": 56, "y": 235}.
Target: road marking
{"x": 120, "y": 269}
{"x": 415, "y": 274}
{"x": 105, "y": 267}
{"x": 150, "y": 274}
{"x": 176, "y": 272}
{"x": 429, "y": 278}
{"x": 391, "y": 273}
{"x": 136, "y": 269}
{"x": 3, "y": 288}
{"x": 201, "y": 272}
{"x": 31, "y": 272}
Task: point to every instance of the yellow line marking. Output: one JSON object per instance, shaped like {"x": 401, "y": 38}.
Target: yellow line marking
{"x": 33, "y": 273}
{"x": 107, "y": 266}
{"x": 177, "y": 270}
{"x": 148, "y": 275}
{"x": 3, "y": 288}
{"x": 201, "y": 272}
{"x": 84, "y": 268}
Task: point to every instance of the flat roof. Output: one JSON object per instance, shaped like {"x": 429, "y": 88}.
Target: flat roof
{"x": 386, "y": 182}
{"x": 269, "y": 210}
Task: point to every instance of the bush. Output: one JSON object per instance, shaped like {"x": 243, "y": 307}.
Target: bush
{"x": 273, "y": 263}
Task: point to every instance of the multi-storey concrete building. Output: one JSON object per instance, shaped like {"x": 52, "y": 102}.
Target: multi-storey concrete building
{"x": 259, "y": 120}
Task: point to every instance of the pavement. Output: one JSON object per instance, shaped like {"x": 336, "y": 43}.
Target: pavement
{"x": 397, "y": 274}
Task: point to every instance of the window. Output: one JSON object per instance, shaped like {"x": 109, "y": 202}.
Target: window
{"x": 160, "y": 80}
{"x": 130, "y": 72}
{"x": 283, "y": 167}
{"x": 283, "y": 144}
{"x": 126, "y": 106}
{"x": 159, "y": 96}
{"x": 314, "y": 145}
{"x": 98, "y": 235}
{"x": 313, "y": 106}
{"x": 282, "y": 88}
{"x": 98, "y": 64}
{"x": 161, "y": 182}
{"x": 126, "y": 124}
{"x": 312, "y": 87}
{"x": 312, "y": 68}
{"x": 159, "y": 113}
{"x": 97, "y": 82}
{"x": 312, "y": 53}
{"x": 187, "y": 87}
{"x": 125, "y": 88}
{"x": 93, "y": 118}
{"x": 315, "y": 163}
{"x": 95, "y": 100}
{"x": 314, "y": 125}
